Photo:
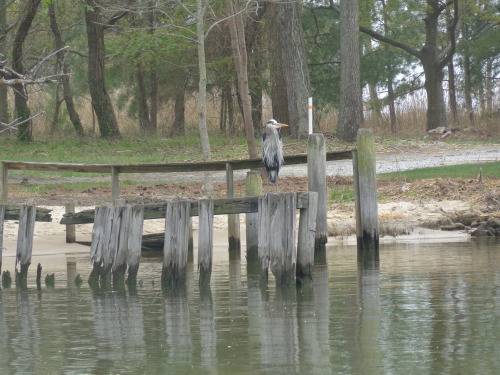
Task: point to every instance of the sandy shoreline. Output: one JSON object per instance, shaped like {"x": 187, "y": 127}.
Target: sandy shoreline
{"x": 49, "y": 238}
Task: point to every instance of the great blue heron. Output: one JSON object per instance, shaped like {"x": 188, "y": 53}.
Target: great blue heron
{"x": 272, "y": 151}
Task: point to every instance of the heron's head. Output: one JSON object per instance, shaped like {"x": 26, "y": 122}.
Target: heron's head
{"x": 273, "y": 124}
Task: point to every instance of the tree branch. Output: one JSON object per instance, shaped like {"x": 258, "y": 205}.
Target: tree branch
{"x": 14, "y": 124}
{"x": 392, "y": 42}
{"x": 446, "y": 55}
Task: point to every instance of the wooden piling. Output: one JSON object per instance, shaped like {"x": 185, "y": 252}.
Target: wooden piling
{"x": 306, "y": 240}
{"x": 70, "y": 229}
{"x": 25, "y": 240}
{"x": 176, "y": 243}
{"x": 205, "y": 239}
{"x": 253, "y": 187}
{"x": 2, "y": 215}
{"x": 119, "y": 249}
{"x": 233, "y": 220}
{"x": 277, "y": 236}
{"x": 316, "y": 175}
{"x": 365, "y": 184}
{"x": 135, "y": 242}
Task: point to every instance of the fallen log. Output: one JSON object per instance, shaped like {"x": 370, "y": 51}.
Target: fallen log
{"x": 42, "y": 214}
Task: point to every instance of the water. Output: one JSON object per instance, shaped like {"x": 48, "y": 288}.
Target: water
{"x": 424, "y": 309}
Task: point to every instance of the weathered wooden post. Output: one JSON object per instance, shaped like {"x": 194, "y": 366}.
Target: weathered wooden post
{"x": 233, "y": 220}
{"x": 25, "y": 240}
{"x": 176, "y": 243}
{"x": 135, "y": 242}
{"x": 5, "y": 185}
{"x": 119, "y": 248}
{"x": 365, "y": 184}
{"x": 100, "y": 241}
{"x": 277, "y": 246}
{"x": 253, "y": 187}
{"x": 2, "y": 215}
{"x": 115, "y": 184}
{"x": 205, "y": 239}
{"x": 306, "y": 240}
{"x": 316, "y": 176}
{"x": 70, "y": 228}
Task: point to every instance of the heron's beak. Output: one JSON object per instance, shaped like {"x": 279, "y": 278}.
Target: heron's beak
{"x": 281, "y": 125}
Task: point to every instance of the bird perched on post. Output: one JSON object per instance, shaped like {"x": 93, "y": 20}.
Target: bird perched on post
{"x": 272, "y": 151}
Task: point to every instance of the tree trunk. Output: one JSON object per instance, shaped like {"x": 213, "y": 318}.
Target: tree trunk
{"x": 489, "y": 85}
{"x": 238, "y": 46}
{"x": 4, "y": 104}
{"x": 452, "y": 93}
{"x": 179, "y": 114}
{"x": 68, "y": 98}
{"x": 20, "y": 94}
{"x": 290, "y": 86}
{"x": 145, "y": 125}
{"x": 436, "y": 109}
{"x": 351, "y": 104}
{"x": 468, "y": 90}
{"x": 202, "y": 92}
{"x": 391, "y": 97}
{"x": 101, "y": 102}
{"x": 153, "y": 92}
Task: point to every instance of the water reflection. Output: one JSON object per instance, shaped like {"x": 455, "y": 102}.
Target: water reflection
{"x": 419, "y": 309}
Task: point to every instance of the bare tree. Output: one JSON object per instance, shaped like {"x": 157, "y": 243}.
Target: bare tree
{"x": 68, "y": 98}
{"x": 238, "y": 46}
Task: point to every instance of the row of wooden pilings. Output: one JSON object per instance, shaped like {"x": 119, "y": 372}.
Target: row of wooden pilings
{"x": 117, "y": 231}
{"x": 117, "y": 236}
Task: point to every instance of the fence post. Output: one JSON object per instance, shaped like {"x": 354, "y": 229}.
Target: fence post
{"x": 70, "y": 228}
{"x": 233, "y": 221}
{"x": 365, "y": 185}
{"x": 5, "y": 186}
{"x": 2, "y": 215}
{"x": 115, "y": 185}
{"x": 316, "y": 176}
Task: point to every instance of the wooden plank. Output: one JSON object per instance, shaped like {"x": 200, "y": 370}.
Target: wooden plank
{"x": 25, "y": 238}
{"x": 316, "y": 176}
{"x": 164, "y": 167}
{"x": 366, "y": 193}
{"x": 175, "y": 249}
{"x": 306, "y": 240}
{"x": 205, "y": 240}
{"x": 233, "y": 220}
{"x": 222, "y": 206}
{"x": 70, "y": 229}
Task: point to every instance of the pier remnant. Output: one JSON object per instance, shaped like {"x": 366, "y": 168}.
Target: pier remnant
{"x": 25, "y": 240}
{"x": 205, "y": 239}
{"x": 175, "y": 248}
{"x": 365, "y": 184}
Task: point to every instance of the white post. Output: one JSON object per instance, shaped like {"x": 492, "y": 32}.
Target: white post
{"x": 310, "y": 114}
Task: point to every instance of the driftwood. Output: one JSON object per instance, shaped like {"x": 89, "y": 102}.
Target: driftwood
{"x": 42, "y": 214}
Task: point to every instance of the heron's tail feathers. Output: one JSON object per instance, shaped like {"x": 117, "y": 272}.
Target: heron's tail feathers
{"x": 273, "y": 176}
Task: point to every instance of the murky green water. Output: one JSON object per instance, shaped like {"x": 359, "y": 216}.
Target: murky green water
{"x": 425, "y": 309}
